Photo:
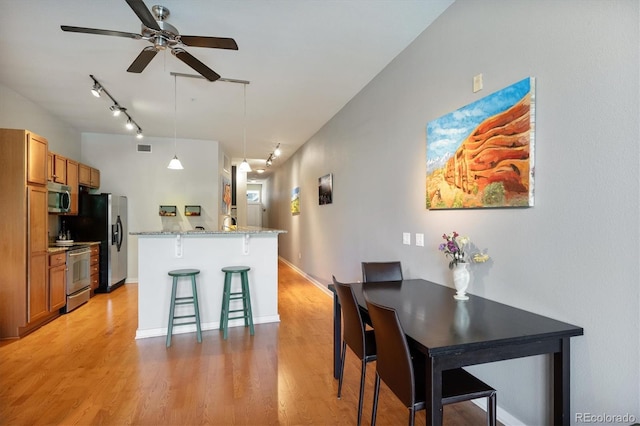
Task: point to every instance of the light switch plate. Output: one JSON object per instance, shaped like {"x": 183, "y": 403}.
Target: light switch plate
{"x": 406, "y": 238}
{"x": 420, "y": 240}
{"x": 477, "y": 83}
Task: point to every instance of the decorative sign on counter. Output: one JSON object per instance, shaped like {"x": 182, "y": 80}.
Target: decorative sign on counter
{"x": 168, "y": 210}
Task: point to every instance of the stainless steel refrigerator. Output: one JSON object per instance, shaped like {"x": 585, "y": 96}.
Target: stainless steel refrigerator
{"x": 103, "y": 218}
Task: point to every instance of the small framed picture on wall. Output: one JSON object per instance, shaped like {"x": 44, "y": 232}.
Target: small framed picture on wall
{"x": 325, "y": 189}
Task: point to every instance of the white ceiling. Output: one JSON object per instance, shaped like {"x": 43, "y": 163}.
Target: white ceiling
{"x": 304, "y": 59}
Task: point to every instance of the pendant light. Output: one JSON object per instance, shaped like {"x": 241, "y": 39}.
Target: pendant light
{"x": 244, "y": 166}
{"x": 175, "y": 164}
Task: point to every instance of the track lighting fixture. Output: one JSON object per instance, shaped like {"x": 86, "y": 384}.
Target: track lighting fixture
{"x": 115, "y": 109}
{"x": 96, "y": 90}
{"x": 272, "y": 156}
{"x": 277, "y": 151}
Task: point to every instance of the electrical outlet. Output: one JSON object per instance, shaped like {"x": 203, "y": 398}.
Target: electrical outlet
{"x": 406, "y": 238}
{"x": 420, "y": 240}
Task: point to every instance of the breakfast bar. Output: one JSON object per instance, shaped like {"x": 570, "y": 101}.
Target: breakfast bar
{"x": 209, "y": 251}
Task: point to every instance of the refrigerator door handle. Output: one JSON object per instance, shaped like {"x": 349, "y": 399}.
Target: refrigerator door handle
{"x": 118, "y": 233}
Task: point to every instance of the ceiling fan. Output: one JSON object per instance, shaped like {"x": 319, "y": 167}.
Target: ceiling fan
{"x": 162, "y": 35}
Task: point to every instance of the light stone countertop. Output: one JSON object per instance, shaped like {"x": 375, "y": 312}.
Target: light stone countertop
{"x": 239, "y": 230}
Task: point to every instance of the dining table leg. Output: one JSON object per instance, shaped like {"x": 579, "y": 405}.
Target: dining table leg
{"x": 561, "y": 385}
{"x": 433, "y": 393}
{"x": 337, "y": 335}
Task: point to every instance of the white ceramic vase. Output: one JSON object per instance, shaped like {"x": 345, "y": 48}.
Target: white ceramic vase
{"x": 461, "y": 278}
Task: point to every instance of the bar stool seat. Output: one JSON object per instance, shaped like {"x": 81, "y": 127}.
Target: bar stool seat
{"x": 228, "y": 296}
{"x": 184, "y": 300}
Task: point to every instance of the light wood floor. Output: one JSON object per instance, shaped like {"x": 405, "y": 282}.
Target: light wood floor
{"x": 86, "y": 368}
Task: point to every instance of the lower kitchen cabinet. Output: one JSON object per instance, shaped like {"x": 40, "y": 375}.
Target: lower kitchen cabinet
{"x": 94, "y": 265}
{"x": 57, "y": 281}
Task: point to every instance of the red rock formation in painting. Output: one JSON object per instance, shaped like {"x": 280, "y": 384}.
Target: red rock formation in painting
{"x": 496, "y": 151}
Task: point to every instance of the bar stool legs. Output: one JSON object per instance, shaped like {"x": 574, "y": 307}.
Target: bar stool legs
{"x": 186, "y": 300}
{"x": 228, "y": 296}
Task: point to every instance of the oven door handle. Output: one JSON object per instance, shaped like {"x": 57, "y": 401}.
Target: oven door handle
{"x": 82, "y": 253}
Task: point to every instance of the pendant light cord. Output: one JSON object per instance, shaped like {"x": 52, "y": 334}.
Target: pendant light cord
{"x": 175, "y": 114}
{"x": 244, "y": 126}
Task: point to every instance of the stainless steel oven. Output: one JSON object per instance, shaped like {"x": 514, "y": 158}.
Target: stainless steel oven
{"x": 78, "y": 277}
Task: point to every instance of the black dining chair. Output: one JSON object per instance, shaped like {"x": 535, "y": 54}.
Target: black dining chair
{"x": 381, "y": 271}
{"x": 361, "y": 341}
{"x": 405, "y": 375}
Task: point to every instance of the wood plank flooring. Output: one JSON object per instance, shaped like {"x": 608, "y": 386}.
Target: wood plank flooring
{"x": 86, "y": 368}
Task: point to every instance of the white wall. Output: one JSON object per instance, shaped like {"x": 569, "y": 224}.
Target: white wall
{"x": 573, "y": 257}
{"x": 18, "y": 112}
{"x": 147, "y": 183}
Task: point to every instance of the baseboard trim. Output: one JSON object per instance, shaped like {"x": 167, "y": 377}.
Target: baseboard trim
{"x": 157, "y": 332}
{"x": 313, "y": 281}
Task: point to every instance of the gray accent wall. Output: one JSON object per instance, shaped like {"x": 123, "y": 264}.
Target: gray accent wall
{"x": 574, "y": 256}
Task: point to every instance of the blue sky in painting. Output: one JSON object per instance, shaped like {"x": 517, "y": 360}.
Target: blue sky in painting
{"x": 445, "y": 134}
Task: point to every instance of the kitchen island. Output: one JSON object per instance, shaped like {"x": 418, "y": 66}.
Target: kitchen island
{"x": 209, "y": 251}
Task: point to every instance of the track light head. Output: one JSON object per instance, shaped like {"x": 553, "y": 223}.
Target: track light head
{"x": 96, "y": 90}
{"x": 116, "y": 109}
{"x": 129, "y": 125}
{"x": 277, "y": 151}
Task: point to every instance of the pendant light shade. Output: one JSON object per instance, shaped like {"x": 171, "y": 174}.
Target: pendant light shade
{"x": 175, "y": 164}
{"x": 244, "y": 166}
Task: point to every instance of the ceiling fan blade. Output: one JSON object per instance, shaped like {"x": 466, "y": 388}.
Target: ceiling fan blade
{"x": 188, "y": 59}
{"x": 143, "y": 13}
{"x": 143, "y": 59}
{"x": 99, "y": 32}
{"x": 214, "y": 42}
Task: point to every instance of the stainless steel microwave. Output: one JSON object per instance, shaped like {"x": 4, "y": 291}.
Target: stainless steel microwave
{"x": 59, "y": 197}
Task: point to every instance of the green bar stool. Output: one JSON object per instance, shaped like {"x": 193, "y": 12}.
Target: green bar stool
{"x": 228, "y": 296}
{"x": 186, "y": 300}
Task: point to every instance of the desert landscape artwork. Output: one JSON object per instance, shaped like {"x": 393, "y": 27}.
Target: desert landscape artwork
{"x": 482, "y": 155}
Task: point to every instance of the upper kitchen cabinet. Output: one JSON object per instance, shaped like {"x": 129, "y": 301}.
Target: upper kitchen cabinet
{"x": 23, "y": 252}
{"x": 37, "y": 148}
{"x": 56, "y": 168}
{"x": 88, "y": 176}
{"x": 72, "y": 181}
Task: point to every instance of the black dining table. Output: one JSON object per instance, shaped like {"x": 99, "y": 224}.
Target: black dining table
{"x": 458, "y": 333}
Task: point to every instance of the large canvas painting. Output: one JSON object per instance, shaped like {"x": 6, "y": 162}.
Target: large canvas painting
{"x": 482, "y": 155}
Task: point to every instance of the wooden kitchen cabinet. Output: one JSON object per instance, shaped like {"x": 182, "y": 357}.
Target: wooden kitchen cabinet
{"x": 95, "y": 178}
{"x": 37, "y": 148}
{"x": 72, "y": 181}
{"x": 94, "y": 266}
{"x": 88, "y": 176}
{"x": 23, "y": 253}
{"x": 57, "y": 168}
{"x": 57, "y": 281}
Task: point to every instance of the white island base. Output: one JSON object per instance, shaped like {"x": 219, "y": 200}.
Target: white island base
{"x": 208, "y": 251}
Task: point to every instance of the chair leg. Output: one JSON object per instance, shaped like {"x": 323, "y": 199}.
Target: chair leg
{"x": 412, "y": 416}
{"x": 248, "y": 312}
{"x": 196, "y": 308}
{"x": 376, "y": 391}
{"x": 344, "y": 352}
{"x": 491, "y": 409}
{"x": 172, "y": 307}
{"x": 361, "y": 399}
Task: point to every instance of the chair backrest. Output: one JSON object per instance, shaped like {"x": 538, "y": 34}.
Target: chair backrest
{"x": 393, "y": 365}
{"x": 353, "y": 333}
{"x": 381, "y": 271}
